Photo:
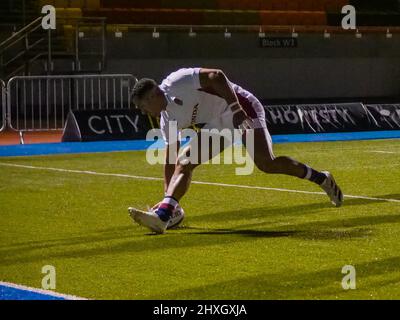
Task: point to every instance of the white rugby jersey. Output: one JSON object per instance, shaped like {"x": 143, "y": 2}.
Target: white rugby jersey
{"x": 189, "y": 104}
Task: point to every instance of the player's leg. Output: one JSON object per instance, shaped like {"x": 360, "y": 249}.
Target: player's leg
{"x": 180, "y": 181}
{"x": 267, "y": 162}
{"x": 198, "y": 151}
{"x": 159, "y": 219}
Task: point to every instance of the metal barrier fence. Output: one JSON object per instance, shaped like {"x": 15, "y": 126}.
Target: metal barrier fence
{"x": 37, "y": 103}
{"x": 3, "y": 118}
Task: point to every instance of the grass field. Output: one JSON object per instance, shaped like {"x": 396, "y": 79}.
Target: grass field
{"x": 235, "y": 243}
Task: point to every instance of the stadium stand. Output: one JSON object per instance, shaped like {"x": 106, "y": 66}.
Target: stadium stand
{"x": 17, "y": 12}
{"x": 233, "y": 12}
{"x": 276, "y": 15}
{"x": 78, "y": 45}
{"x": 217, "y": 12}
{"x": 371, "y": 13}
{"x": 25, "y": 48}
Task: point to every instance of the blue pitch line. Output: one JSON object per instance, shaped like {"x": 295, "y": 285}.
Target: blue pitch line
{"x": 336, "y": 136}
{"x": 9, "y": 291}
{"x": 75, "y": 147}
{"x": 129, "y": 145}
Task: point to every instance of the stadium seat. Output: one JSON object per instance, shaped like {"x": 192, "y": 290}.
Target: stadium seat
{"x": 292, "y": 18}
{"x": 265, "y": 5}
{"x": 252, "y": 4}
{"x": 61, "y": 3}
{"x": 246, "y": 18}
{"x": 318, "y": 5}
{"x": 279, "y": 5}
{"x": 293, "y": 5}
{"x": 163, "y": 4}
{"x": 215, "y": 17}
{"x": 307, "y": 5}
{"x": 335, "y": 5}
{"x": 245, "y": 5}
{"x": 215, "y": 12}
{"x": 93, "y": 4}
{"x": 185, "y": 4}
{"x": 225, "y": 4}
{"x": 238, "y": 4}
{"x": 68, "y": 15}
{"x": 149, "y": 16}
{"x": 182, "y": 17}
{"x": 270, "y": 18}
{"x": 320, "y": 18}
{"x": 231, "y": 18}
{"x": 295, "y": 18}
{"x": 126, "y": 4}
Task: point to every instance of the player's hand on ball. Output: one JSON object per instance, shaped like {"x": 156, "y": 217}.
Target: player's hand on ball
{"x": 242, "y": 120}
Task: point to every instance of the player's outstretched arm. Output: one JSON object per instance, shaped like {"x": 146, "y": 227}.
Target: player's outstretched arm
{"x": 169, "y": 166}
{"x": 216, "y": 81}
{"x": 171, "y": 155}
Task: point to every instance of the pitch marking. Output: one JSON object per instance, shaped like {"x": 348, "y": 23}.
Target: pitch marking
{"x": 193, "y": 182}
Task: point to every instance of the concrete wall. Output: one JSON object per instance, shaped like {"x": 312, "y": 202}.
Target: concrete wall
{"x": 341, "y": 66}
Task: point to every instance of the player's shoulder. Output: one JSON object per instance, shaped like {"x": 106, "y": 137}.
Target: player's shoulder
{"x": 182, "y": 74}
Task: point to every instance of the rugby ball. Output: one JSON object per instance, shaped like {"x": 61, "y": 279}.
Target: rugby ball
{"x": 177, "y": 217}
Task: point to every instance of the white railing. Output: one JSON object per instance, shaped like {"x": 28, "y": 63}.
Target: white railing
{"x": 3, "y": 106}
{"x": 37, "y": 103}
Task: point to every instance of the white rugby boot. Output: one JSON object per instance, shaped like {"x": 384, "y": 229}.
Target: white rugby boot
{"x": 148, "y": 219}
{"x": 332, "y": 189}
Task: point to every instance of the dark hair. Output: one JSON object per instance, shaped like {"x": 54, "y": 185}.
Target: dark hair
{"x": 142, "y": 87}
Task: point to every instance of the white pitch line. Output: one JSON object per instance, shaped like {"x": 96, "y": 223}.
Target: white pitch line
{"x": 378, "y": 151}
{"x": 193, "y": 182}
{"x": 81, "y": 171}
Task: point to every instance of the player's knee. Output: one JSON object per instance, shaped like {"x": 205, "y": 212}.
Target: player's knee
{"x": 186, "y": 162}
{"x": 184, "y": 167}
{"x": 268, "y": 165}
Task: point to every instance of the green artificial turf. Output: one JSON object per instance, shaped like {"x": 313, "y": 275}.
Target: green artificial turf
{"x": 235, "y": 243}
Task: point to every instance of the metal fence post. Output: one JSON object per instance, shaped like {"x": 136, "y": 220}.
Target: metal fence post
{"x": 3, "y": 92}
{"x": 41, "y": 103}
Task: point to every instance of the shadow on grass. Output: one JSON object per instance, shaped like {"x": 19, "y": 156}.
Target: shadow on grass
{"x": 240, "y": 232}
{"x": 126, "y": 232}
{"x": 100, "y": 235}
{"x": 64, "y": 250}
{"x": 265, "y": 212}
{"x": 130, "y": 239}
{"x": 94, "y": 245}
{"x": 305, "y": 235}
{"x": 395, "y": 196}
{"x": 321, "y": 284}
